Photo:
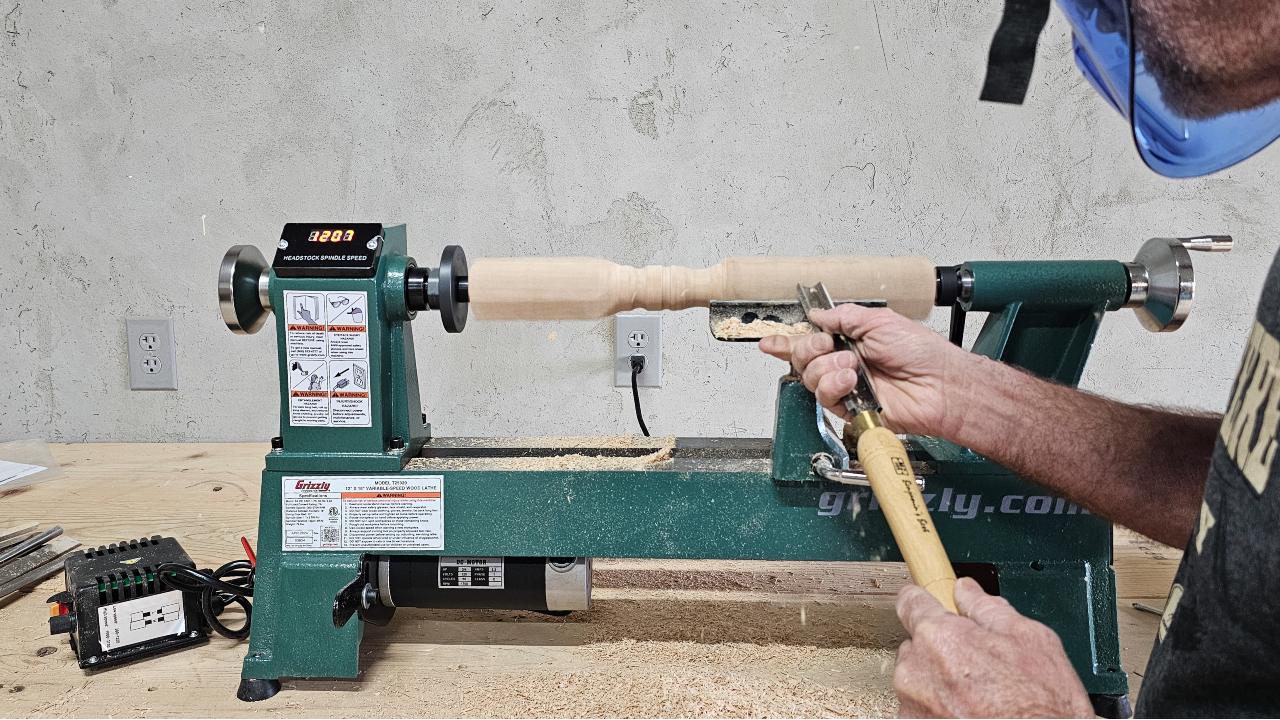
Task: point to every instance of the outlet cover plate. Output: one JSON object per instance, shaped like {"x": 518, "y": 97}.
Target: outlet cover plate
{"x": 637, "y": 333}
{"x": 153, "y": 359}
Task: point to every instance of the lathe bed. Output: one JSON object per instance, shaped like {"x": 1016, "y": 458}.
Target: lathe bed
{"x": 616, "y": 452}
{"x": 717, "y": 626}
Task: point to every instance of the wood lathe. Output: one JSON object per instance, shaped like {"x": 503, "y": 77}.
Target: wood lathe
{"x": 363, "y": 510}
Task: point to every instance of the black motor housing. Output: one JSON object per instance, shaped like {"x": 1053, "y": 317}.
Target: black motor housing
{"x": 544, "y": 584}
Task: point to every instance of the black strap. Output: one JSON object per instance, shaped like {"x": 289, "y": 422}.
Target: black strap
{"x": 1013, "y": 51}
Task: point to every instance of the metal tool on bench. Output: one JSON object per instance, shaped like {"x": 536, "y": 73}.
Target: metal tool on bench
{"x": 352, "y": 527}
{"x": 28, "y": 556}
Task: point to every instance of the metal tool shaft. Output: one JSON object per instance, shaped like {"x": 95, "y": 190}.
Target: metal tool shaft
{"x": 863, "y": 397}
{"x": 27, "y": 546}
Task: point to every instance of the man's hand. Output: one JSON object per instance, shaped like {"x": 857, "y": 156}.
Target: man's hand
{"x": 916, "y": 373}
{"x": 989, "y": 661}
{"x": 1115, "y": 459}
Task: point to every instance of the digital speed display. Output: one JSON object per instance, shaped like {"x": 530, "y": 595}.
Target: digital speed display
{"x": 328, "y": 250}
{"x": 332, "y": 236}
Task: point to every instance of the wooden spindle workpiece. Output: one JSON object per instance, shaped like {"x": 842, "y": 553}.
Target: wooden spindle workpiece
{"x": 583, "y": 288}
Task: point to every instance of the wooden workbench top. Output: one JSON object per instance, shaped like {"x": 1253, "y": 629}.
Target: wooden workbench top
{"x": 664, "y": 638}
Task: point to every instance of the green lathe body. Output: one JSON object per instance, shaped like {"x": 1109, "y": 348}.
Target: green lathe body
{"x": 1051, "y": 558}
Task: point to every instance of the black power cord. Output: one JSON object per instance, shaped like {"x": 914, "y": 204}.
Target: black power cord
{"x": 637, "y": 367}
{"x": 231, "y": 583}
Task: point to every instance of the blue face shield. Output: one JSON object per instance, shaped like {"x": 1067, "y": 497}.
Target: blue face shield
{"x": 1170, "y": 144}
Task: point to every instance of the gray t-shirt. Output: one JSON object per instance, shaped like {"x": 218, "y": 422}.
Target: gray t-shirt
{"x": 1217, "y": 653}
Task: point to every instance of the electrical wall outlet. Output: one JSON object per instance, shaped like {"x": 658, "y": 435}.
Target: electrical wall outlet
{"x": 153, "y": 363}
{"x": 634, "y": 334}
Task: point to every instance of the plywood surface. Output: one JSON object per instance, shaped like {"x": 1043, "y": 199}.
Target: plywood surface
{"x": 665, "y": 638}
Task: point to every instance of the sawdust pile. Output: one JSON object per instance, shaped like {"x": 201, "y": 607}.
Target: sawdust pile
{"x": 734, "y": 328}
{"x": 699, "y": 654}
{"x": 645, "y": 692}
{"x": 810, "y": 578}
{"x": 558, "y": 441}
{"x": 573, "y": 461}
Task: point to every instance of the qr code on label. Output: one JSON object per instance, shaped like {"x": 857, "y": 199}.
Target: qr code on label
{"x": 330, "y": 535}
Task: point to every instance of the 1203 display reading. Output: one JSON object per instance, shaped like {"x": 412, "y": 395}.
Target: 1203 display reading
{"x": 309, "y": 250}
{"x": 332, "y": 236}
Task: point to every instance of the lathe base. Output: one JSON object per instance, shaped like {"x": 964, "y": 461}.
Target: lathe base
{"x": 656, "y": 513}
{"x": 729, "y": 499}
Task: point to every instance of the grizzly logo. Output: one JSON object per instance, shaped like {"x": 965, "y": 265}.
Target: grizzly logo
{"x": 307, "y": 485}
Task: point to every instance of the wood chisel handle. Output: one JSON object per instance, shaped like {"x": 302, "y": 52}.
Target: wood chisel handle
{"x": 888, "y": 468}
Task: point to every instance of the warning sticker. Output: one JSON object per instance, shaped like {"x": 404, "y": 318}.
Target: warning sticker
{"x": 471, "y": 572}
{"x": 147, "y": 618}
{"x": 349, "y": 393}
{"x": 376, "y": 512}
{"x": 348, "y": 332}
{"x": 328, "y": 355}
{"x": 308, "y": 392}
{"x": 305, "y": 335}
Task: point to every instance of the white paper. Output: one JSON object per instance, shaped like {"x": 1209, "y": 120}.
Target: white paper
{"x": 10, "y": 471}
{"x": 140, "y": 620}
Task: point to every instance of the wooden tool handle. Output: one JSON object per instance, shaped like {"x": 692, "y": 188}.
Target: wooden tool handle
{"x": 583, "y": 288}
{"x": 888, "y": 467}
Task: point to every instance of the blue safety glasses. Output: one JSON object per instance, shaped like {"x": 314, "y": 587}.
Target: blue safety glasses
{"x": 1171, "y": 145}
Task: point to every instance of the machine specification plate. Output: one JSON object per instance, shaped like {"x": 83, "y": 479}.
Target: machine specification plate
{"x": 327, "y": 345}
{"x": 375, "y": 512}
{"x": 471, "y": 572}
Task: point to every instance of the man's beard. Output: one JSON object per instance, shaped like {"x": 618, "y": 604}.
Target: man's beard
{"x": 1205, "y": 65}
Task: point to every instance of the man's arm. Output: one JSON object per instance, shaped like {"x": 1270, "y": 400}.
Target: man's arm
{"x": 1141, "y": 467}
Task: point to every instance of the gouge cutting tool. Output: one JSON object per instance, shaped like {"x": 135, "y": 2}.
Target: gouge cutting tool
{"x": 888, "y": 468}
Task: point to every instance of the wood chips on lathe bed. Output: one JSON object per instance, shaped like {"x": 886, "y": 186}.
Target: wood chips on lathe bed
{"x": 571, "y": 461}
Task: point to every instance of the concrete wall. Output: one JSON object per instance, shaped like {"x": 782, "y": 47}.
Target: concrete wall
{"x": 139, "y": 140}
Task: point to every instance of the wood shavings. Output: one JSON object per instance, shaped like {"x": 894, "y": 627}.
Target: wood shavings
{"x": 768, "y": 576}
{"x": 734, "y": 329}
{"x": 572, "y": 461}
{"x": 644, "y": 691}
{"x": 556, "y": 441}
{"x": 676, "y": 654}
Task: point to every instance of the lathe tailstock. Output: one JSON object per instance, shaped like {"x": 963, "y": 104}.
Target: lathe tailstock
{"x": 362, "y": 511}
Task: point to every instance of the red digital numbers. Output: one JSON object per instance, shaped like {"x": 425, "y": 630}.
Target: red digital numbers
{"x": 331, "y": 236}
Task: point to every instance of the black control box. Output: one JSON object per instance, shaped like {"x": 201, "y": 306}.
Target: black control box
{"x": 117, "y": 610}
{"x": 328, "y": 250}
